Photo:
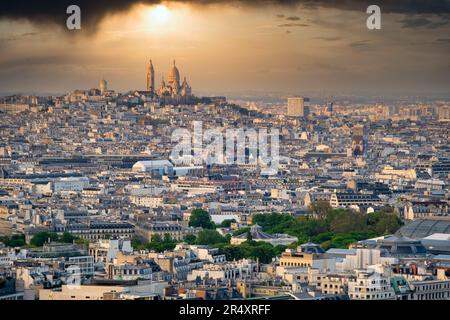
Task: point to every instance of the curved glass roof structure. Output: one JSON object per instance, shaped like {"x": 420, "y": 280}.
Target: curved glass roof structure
{"x": 422, "y": 228}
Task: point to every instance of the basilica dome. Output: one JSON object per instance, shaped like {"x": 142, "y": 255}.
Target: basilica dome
{"x": 173, "y": 75}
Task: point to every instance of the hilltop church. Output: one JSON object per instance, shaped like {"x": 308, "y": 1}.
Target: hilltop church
{"x": 172, "y": 91}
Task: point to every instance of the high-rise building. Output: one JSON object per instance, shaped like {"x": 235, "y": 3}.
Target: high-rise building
{"x": 298, "y": 106}
{"x": 103, "y": 86}
{"x": 150, "y": 77}
{"x": 330, "y": 107}
{"x": 359, "y": 144}
{"x": 444, "y": 113}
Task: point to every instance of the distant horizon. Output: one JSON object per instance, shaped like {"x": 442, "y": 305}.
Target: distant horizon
{"x": 264, "y": 95}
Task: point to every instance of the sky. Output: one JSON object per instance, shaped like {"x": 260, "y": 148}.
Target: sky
{"x": 222, "y": 47}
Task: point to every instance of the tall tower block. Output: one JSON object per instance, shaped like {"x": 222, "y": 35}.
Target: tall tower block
{"x": 298, "y": 106}
{"x": 103, "y": 86}
{"x": 359, "y": 143}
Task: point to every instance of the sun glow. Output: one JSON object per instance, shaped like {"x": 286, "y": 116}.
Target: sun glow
{"x": 159, "y": 15}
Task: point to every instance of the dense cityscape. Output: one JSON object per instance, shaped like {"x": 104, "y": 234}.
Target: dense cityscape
{"x": 224, "y": 159}
{"x": 92, "y": 206}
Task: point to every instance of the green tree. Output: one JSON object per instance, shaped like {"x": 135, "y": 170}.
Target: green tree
{"x": 322, "y": 237}
{"x": 262, "y": 251}
{"x": 16, "y": 240}
{"x": 156, "y": 238}
{"x": 231, "y": 252}
{"x": 159, "y": 244}
{"x": 308, "y": 227}
{"x": 342, "y": 221}
{"x": 274, "y": 222}
{"x": 67, "y": 238}
{"x": 241, "y": 231}
{"x": 227, "y": 223}
{"x": 383, "y": 222}
{"x": 210, "y": 237}
{"x": 249, "y": 236}
{"x": 201, "y": 218}
{"x": 190, "y": 239}
{"x": 319, "y": 209}
{"x": 337, "y": 228}
{"x": 343, "y": 240}
{"x": 168, "y": 238}
{"x": 137, "y": 244}
{"x": 40, "y": 238}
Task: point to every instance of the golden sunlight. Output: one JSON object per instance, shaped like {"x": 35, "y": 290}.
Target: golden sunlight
{"x": 158, "y": 16}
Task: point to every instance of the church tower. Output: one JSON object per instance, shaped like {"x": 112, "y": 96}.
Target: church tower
{"x": 185, "y": 89}
{"x": 150, "y": 77}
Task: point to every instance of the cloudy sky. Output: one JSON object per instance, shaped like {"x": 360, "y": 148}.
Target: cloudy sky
{"x": 222, "y": 46}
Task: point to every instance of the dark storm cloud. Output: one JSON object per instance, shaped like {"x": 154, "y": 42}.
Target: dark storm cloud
{"x": 93, "y": 11}
{"x": 50, "y": 12}
{"x": 293, "y": 18}
{"x": 422, "y": 22}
